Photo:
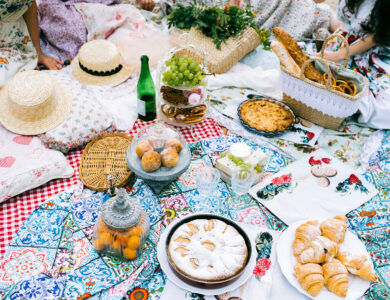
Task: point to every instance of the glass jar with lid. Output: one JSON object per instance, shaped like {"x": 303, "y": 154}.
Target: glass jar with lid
{"x": 122, "y": 227}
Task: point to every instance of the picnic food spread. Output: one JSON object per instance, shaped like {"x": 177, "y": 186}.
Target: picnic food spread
{"x": 173, "y": 206}
{"x": 207, "y": 250}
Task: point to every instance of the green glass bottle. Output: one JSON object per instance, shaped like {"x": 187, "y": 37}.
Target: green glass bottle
{"x": 146, "y": 103}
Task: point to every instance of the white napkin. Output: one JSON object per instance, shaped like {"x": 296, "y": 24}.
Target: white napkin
{"x": 243, "y": 76}
{"x": 302, "y": 195}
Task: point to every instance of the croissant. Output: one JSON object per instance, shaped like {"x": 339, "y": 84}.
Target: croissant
{"x": 304, "y": 234}
{"x": 334, "y": 229}
{"x": 310, "y": 277}
{"x": 358, "y": 265}
{"x": 321, "y": 250}
{"x": 336, "y": 277}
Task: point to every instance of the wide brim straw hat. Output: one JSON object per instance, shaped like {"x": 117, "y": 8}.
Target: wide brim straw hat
{"x": 103, "y": 60}
{"x": 34, "y": 102}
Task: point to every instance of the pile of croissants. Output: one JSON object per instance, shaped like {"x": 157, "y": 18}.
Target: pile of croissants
{"x": 321, "y": 261}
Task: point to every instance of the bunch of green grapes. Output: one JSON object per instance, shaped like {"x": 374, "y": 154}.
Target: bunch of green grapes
{"x": 183, "y": 71}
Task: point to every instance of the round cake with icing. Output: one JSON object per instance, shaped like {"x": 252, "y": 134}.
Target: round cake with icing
{"x": 207, "y": 250}
{"x": 99, "y": 56}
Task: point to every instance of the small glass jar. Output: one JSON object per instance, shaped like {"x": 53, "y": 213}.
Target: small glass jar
{"x": 122, "y": 227}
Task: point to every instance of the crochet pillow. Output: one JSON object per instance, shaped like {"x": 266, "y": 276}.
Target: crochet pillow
{"x": 86, "y": 121}
{"x": 26, "y": 164}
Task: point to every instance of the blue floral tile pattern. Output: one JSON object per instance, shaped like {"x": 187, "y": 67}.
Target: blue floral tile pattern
{"x": 187, "y": 181}
{"x": 219, "y": 144}
{"x": 40, "y": 287}
{"x": 42, "y": 228}
{"x": 91, "y": 278}
{"x": 86, "y": 210}
{"x": 217, "y": 201}
{"x": 149, "y": 201}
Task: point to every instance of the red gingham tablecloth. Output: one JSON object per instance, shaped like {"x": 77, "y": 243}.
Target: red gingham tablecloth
{"x": 14, "y": 211}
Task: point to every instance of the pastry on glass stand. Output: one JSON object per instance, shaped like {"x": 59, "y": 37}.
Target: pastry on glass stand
{"x": 183, "y": 94}
{"x": 158, "y": 155}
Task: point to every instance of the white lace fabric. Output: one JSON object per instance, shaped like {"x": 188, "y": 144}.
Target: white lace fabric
{"x": 326, "y": 102}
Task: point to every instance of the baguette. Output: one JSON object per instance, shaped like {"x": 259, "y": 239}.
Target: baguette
{"x": 285, "y": 58}
{"x": 296, "y": 53}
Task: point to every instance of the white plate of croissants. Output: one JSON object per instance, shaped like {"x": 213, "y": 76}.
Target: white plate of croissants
{"x": 323, "y": 260}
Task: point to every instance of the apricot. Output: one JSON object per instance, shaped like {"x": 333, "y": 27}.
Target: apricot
{"x": 98, "y": 244}
{"x": 138, "y": 231}
{"x": 129, "y": 253}
{"x": 106, "y": 237}
{"x": 122, "y": 239}
{"x": 116, "y": 246}
{"x": 133, "y": 242}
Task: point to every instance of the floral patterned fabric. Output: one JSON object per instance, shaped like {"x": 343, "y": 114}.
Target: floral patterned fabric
{"x": 54, "y": 241}
{"x": 302, "y": 18}
{"x": 373, "y": 63}
{"x": 87, "y": 119}
{"x": 62, "y": 28}
{"x": 25, "y": 164}
{"x": 17, "y": 52}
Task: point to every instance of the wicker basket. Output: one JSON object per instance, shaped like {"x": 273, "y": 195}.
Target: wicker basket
{"x": 105, "y": 155}
{"x": 219, "y": 61}
{"x": 317, "y": 102}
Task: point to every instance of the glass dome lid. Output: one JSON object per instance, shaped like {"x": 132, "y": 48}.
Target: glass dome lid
{"x": 121, "y": 211}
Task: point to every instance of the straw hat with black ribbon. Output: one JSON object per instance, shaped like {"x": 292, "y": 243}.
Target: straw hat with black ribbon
{"x": 99, "y": 63}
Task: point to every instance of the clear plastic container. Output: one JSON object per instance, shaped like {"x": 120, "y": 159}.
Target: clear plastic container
{"x": 122, "y": 227}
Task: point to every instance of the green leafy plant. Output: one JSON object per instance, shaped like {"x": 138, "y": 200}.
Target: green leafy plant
{"x": 216, "y": 23}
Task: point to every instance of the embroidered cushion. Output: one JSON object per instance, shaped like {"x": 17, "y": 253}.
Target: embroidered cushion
{"x": 86, "y": 121}
{"x": 25, "y": 164}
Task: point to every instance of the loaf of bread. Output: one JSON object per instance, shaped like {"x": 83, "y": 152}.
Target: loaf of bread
{"x": 284, "y": 57}
{"x": 296, "y": 53}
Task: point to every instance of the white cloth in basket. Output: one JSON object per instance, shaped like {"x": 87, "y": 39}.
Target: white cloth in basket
{"x": 326, "y": 102}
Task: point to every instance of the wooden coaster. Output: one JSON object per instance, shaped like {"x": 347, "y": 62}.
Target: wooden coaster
{"x": 105, "y": 155}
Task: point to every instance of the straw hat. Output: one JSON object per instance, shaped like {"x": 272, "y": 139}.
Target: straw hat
{"x": 34, "y": 102}
{"x": 99, "y": 63}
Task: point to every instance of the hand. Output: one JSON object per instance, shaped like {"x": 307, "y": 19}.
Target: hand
{"x": 49, "y": 62}
{"x": 336, "y": 56}
{"x": 146, "y": 4}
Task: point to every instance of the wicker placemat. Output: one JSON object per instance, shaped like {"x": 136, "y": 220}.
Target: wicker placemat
{"x": 105, "y": 155}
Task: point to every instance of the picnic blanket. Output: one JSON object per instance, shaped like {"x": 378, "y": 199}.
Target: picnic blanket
{"x": 53, "y": 245}
{"x": 14, "y": 211}
{"x": 370, "y": 221}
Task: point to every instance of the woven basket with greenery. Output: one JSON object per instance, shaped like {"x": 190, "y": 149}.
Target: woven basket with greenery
{"x": 224, "y": 35}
